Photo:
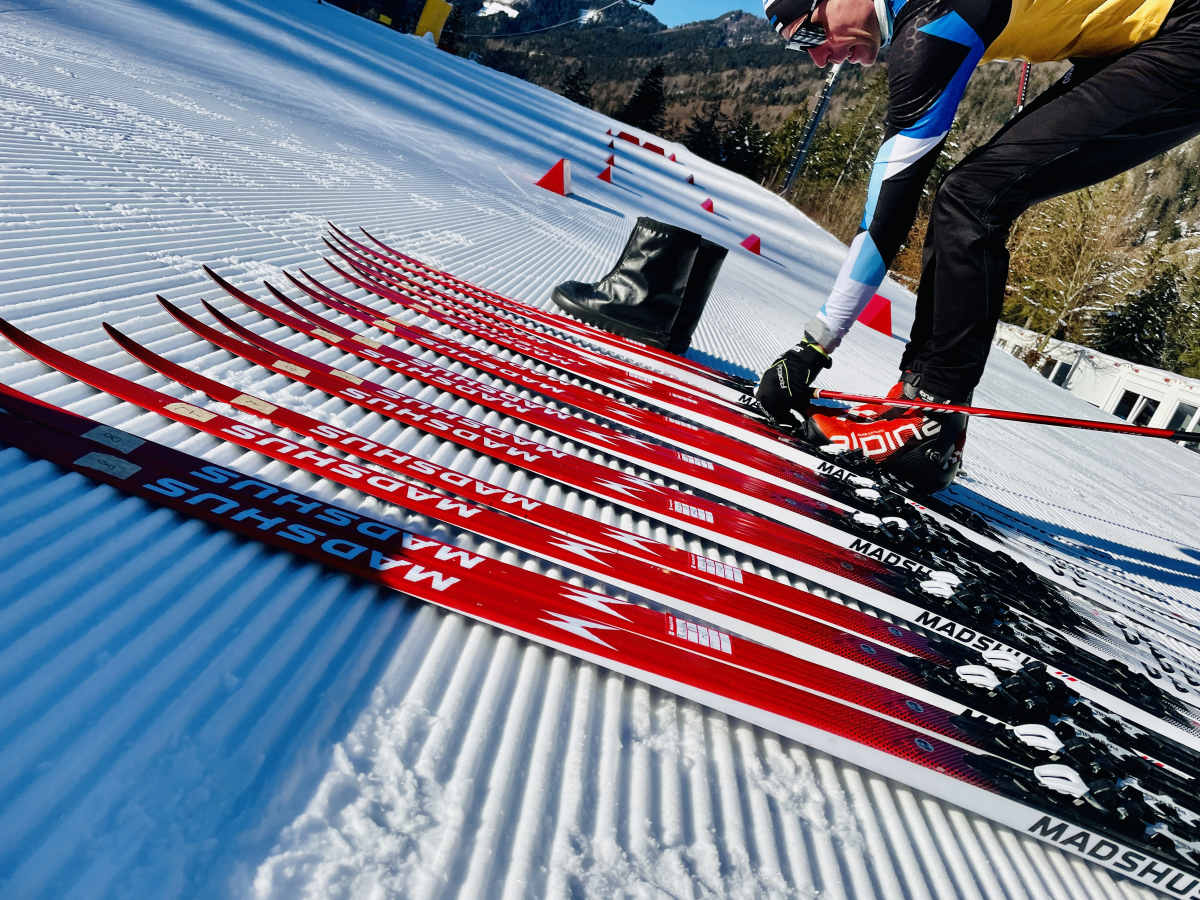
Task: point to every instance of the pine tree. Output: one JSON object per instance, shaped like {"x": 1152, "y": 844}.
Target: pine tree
{"x": 782, "y": 144}
{"x": 707, "y": 132}
{"x": 647, "y": 107}
{"x": 577, "y": 87}
{"x": 744, "y": 148}
{"x": 1135, "y": 329}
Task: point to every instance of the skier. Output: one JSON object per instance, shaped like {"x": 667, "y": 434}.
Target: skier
{"x": 1134, "y": 92}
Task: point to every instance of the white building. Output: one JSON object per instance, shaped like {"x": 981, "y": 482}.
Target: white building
{"x": 1139, "y": 394}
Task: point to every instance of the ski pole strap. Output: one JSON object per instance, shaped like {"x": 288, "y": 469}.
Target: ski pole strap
{"x": 1013, "y": 416}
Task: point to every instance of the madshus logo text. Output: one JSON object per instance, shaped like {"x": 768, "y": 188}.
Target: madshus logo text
{"x": 1113, "y": 856}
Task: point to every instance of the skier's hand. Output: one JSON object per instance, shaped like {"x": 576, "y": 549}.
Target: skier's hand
{"x": 785, "y": 386}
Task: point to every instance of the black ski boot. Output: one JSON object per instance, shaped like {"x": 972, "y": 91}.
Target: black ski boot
{"x": 930, "y": 465}
{"x": 641, "y": 296}
{"x": 700, "y": 284}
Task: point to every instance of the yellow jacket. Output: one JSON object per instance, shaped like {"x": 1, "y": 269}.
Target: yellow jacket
{"x": 1045, "y": 30}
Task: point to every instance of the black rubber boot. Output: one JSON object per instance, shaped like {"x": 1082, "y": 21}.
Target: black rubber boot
{"x": 640, "y": 297}
{"x": 700, "y": 284}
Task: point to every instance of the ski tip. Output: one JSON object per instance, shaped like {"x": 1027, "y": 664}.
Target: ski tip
{"x": 12, "y": 332}
{"x": 213, "y": 311}
{"x": 126, "y": 343}
{"x": 169, "y": 306}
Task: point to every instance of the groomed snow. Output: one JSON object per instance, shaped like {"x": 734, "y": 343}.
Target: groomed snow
{"x": 187, "y": 714}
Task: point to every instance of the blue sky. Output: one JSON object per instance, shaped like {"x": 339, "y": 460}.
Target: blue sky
{"x": 677, "y": 12}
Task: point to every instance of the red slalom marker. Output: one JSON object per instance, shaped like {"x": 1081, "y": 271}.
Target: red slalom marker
{"x": 707, "y": 205}
{"x": 878, "y": 315}
{"x": 606, "y": 175}
{"x": 558, "y": 179}
{"x": 754, "y": 244}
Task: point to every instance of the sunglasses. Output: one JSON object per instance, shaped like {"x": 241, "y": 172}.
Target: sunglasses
{"x": 806, "y": 36}
{"x": 782, "y": 13}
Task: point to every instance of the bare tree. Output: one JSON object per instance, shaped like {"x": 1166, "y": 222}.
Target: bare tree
{"x": 1072, "y": 257}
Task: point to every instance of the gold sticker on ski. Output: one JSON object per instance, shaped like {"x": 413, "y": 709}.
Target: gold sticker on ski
{"x": 362, "y": 339}
{"x": 115, "y": 438}
{"x": 353, "y": 379}
{"x": 326, "y": 335}
{"x": 247, "y": 402}
{"x": 190, "y": 412}
{"x": 110, "y": 465}
{"x": 384, "y": 324}
{"x": 289, "y": 367}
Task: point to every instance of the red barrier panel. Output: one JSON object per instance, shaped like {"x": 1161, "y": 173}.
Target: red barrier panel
{"x": 878, "y": 315}
{"x": 558, "y": 179}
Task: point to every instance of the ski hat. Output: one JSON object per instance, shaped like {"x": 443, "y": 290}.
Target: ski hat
{"x": 781, "y": 13}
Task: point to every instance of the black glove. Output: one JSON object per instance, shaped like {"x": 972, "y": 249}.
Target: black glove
{"x": 785, "y": 385}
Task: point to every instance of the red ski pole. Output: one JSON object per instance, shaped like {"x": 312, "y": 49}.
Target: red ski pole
{"x": 1060, "y": 421}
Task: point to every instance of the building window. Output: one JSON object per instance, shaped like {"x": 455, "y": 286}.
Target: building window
{"x": 1184, "y": 419}
{"x": 1048, "y": 367}
{"x": 1145, "y": 412}
{"x": 1125, "y": 406}
{"x": 1060, "y": 374}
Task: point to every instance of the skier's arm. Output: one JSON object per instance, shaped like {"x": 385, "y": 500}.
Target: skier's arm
{"x": 933, "y": 56}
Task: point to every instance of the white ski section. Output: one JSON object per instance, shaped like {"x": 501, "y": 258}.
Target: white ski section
{"x": 185, "y": 714}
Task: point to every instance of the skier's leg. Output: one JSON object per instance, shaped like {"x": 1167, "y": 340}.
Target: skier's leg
{"x": 917, "y": 349}
{"x": 921, "y": 333}
{"x": 1133, "y": 109}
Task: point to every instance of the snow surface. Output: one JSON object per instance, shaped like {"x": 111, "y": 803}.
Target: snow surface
{"x": 183, "y": 713}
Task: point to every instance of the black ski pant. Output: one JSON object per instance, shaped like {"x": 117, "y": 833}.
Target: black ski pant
{"x": 1103, "y": 117}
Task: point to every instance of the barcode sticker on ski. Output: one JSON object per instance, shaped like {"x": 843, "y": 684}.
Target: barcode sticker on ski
{"x": 712, "y": 567}
{"x": 688, "y": 510}
{"x": 699, "y": 634}
{"x": 695, "y": 460}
